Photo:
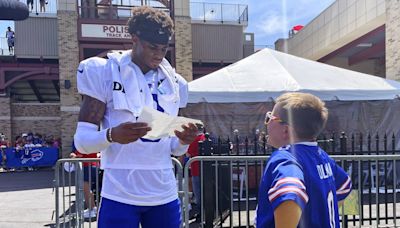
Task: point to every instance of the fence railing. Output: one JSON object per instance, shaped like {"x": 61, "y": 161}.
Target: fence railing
{"x": 227, "y": 177}
{"x": 73, "y": 192}
{"x": 232, "y": 169}
{"x": 4, "y": 47}
{"x": 333, "y": 144}
{"x": 36, "y": 8}
{"x": 219, "y": 12}
{"x": 116, "y": 9}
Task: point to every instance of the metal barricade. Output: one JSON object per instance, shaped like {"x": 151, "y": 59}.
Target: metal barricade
{"x": 373, "y": 201}
{"x": 69, "y": 191}
{"x": 70, "y": 196}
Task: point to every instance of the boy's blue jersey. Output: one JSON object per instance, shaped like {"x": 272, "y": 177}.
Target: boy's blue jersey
{"x": 305, "y": 174}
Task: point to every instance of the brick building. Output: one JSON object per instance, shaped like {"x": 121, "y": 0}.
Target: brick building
{"x": 38, "y": 90}
{"x": 360, "y": 35}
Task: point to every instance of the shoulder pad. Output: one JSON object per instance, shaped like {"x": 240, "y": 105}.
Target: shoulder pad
{"x": 94, "y": 62}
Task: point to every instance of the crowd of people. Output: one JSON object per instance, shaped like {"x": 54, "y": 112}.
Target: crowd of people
{"x": 30, "y": 140}
{"x": 22, "y": 142}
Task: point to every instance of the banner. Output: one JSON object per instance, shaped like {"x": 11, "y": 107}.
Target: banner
{"x": 30, "y": 157}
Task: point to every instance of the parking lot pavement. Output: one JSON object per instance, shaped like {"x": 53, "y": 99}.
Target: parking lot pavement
{"x": 26, "y": 199}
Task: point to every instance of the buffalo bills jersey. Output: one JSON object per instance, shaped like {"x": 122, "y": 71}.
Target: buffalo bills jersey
{"x": 305, "y": 174}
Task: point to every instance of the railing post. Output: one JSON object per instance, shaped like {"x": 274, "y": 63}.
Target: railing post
{"x": 204, "y": 11}
{"x": 222, "y": 14}
{"x": 343, "y": 143}
{"x": 264, "y": 142}
{"x": 343, "y": 151}
{"x": 205, "y": 146}
{"x": 333, "y": 143}
{"x": 207, "y": 189}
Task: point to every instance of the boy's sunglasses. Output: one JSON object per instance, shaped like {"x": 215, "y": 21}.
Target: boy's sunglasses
{"x": 269, "y": 117}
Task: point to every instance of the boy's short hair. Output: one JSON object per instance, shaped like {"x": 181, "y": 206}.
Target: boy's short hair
{"x": 305, "y": 112}
{"x": 151, "y": 24}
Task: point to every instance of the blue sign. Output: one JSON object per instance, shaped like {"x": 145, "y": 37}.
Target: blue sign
{"x": 29, "y": 157}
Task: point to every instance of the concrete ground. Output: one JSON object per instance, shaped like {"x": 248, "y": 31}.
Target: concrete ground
{"x": 26, "y": 199}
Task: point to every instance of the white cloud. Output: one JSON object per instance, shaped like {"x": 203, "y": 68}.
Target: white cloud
{"x": 272, "y": 19}
{"x": 271, "y": 23}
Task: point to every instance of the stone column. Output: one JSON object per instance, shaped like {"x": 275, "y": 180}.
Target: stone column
{"x": 68, "y": 50}
{"x": 183, "y": 39}
{"x": 393, "y": 39}
{"x": 5, "y": 117}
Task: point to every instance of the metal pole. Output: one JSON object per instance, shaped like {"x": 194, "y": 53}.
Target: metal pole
{"x": 360, "y": 204}
{"x": 394, "y": 193}
{"x": 186, "y": 194}
{"x": 56, "y": 185}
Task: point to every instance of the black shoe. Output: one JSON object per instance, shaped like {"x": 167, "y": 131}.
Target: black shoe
{"x": 198, "y": 218}
{"x": 192, "y": 214}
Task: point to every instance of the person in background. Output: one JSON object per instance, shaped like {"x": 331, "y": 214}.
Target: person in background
{"x": 301, "y": 184}
{"x": 37, "y": 139}
{"x": 48, "y": 141}
{"x": 10, "y": 35}
{"x": 20, "y": 141}
{"x": 29, "y": 2}
{"x": 90, "y": 175}
{"x": 4, "y": 141}
{"x": 43, "y": 6}
{"x": 29, "y": 141}
{"x": 193, "y": 151}
{"x": 4, "y": 144}
{"x": 57, "y": 143}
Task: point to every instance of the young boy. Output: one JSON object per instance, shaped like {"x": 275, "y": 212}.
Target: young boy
{"x": 301, "y": 185}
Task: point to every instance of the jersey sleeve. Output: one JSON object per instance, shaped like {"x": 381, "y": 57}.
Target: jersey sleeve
{"x": 183, "y": 91}
{"x": 90, "y": 80}
{"x": 287, "y": 180}
{"x": 342, "y": 181}
{"x": 177, "y": 149}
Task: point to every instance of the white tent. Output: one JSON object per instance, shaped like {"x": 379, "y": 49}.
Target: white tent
{"x": 268, "y": 73}
{"x": 237, "y": 96}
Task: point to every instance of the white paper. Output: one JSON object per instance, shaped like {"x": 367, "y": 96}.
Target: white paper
{"x": 162, "y": 124}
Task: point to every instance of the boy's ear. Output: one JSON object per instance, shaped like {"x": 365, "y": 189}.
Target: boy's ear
{"x": 286, "y": 131}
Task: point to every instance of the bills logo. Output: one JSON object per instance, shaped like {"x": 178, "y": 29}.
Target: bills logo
{"x": 35, "y": 155}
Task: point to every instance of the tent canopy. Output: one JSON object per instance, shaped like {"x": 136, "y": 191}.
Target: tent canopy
{"x": 13, "y": 10}
{"x": 267, "y": 74}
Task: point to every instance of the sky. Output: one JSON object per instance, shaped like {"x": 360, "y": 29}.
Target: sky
{"x": 269, "y": 20}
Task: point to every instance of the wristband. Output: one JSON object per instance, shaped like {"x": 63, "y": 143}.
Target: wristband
{"x": 109, "y": 137}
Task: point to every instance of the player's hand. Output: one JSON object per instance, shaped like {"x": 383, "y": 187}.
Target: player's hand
{"x": 129, "y": 132}
{"x": 188, "y": 134}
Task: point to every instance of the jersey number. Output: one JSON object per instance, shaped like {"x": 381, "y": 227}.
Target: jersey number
{"x": 331, "y": 208}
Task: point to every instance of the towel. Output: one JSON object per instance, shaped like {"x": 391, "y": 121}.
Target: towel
{"x": 135, "y": 94}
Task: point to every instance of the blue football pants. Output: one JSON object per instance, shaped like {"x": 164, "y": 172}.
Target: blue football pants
{"x": 115, "y": 214}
